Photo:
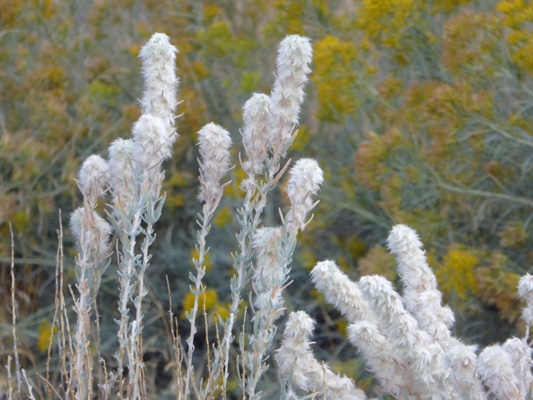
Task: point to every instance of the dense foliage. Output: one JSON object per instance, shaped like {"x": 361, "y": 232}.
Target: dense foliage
{"x": 419, "y": 112}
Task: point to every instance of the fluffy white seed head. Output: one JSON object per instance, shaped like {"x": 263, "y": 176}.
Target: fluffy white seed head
{"x": 425, "y": 357}
{"x": 385, "y": 303}
{"x": 152, "y": 141}
{"x": 341, "y": 292}
{"x": 462, "y": 360}
{"x": 304, "y": 181}
{"x": 520, "y": 354}
{"x": 379, "y": 355}
{"x": 495, "y": 367}
{"x": 295, "y": 356}
{"x": 214, "y": 143}
{"x": 122, "y": 170}
{"x": 295, "y": 54}
{"x": 299, "y": 326}
{"x": 421, "y": 296}
{"x": 160, "y": 81}
{"x": 256, "y": 115}
{"x": 404, "y": 243}
{"x": 91, "y": 230}
{"x": 93, "y": 178}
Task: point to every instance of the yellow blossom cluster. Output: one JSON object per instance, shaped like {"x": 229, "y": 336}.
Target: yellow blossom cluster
{"x": 386, "y": 20}
{"x": 456, "y": 275}
{"x": 518, "y": 18}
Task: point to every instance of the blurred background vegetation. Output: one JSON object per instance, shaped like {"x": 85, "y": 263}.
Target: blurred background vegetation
{"x": 420, "y": 112}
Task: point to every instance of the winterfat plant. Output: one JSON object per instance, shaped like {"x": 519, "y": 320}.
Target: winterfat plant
{"x": 406, "y": 341}
{"x": 152, "y": 138}
{"x": 296, "y": 359}
{"x": 275, "y": 247}
{"x": 269, "y": 123}
{"x": 214, "y": 143}
{"x": 134, "y": 176}
{"x": 92, "y": 233}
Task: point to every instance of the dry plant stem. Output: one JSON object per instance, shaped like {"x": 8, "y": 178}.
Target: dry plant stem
{"x": 126, "y": 266}
{"x": 250, "y": 214}
{"x": 136, "y": 337}
{"x": 13, "y": 311}
{"x": 9, "y": 386}
{"x": 30, "y": 387}
{"x": 82, "y": 372}
{"x": 175, "y": 344}
{"x": 264, "y": 330}
{"x": 208, "y": 211}
{"x": 56, "y": 303}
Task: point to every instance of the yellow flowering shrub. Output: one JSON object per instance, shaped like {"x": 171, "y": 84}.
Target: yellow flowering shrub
{"x": 497, "y": 287}
{"x": 456, "y": 274}
{"x": 518, "y": 18}
{"x": 470, "y": 45}
{"x": 386, "y": 20}
{"x": 335, "y": 77}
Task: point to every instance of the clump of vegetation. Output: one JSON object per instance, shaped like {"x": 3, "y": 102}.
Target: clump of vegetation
{"x": 418, "y": 113}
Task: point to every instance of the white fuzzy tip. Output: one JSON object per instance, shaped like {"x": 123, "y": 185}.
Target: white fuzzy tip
{"x": 93, "y": 178}
{"x": 304, "y": 181}
{"x": 160, "y": 86}
{"x": 294, "y": 56}
{"x": 158, "y": 47}
{"x": 91, "y": 230}
{"x": 214, "y": 143}
{"x": 299, "y": 325}
{"x": 495, "y": 366}
{"x": 256, "y": 110}
{"x": 403, "y": 239}
{"x": 305, "y": 178}
{"x": 295, "y": 51}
